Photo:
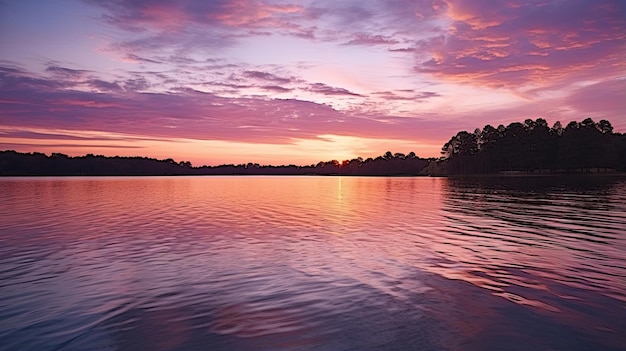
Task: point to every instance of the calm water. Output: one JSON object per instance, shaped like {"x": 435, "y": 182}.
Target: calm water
{"x": 312, "y": 263}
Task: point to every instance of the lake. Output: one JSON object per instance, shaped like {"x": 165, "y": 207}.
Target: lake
{"x": 312, "y": 263}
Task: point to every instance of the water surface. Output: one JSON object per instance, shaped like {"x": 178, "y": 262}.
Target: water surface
{"x": 312, "y": 263}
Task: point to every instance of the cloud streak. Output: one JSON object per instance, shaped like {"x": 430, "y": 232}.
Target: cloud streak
{"x": 537, "y": 43}
{"x": 185, "y": 113}
{"x": 276, "y": 72}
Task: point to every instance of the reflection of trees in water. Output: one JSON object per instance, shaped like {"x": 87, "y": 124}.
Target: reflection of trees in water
{"x": 536, "y": 240}
{"x": 529, "y": 193}
{"x": 590, "y": 209}
{"x": 553, "y": 246}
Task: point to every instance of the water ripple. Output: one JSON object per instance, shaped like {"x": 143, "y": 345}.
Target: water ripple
{"x": 312, "y": 263}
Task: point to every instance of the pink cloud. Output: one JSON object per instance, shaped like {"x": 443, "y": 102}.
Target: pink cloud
{"x": 252, "y": 13}
{"x": 66, "y": 72}
{"x": 324, "y": 89}
{"x": 267, "y": 77}
{"x": 34, "y": 102}
{"x": 369, "y": 39}
{"x": 187, "y": 113}
{"x": 56, "y": 146}
{"x": 276, "y": 88}
{"x": 526, "y": 47}
{"x": 511, "y": 45}
{"x": 407, "y": 95}
{"x": 352, "y": 22}
{"x": 177, "y": 16}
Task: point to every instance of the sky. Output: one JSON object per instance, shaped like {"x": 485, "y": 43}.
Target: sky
{"x": 297, "y": 81}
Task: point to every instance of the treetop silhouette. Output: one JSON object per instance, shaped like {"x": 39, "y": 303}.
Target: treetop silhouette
{"x": 528, "y": 147}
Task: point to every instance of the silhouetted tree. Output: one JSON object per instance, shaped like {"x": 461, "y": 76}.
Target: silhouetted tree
{"x": 533, "y": 146}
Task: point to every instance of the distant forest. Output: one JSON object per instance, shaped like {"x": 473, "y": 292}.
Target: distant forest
{"x": 529, "y": 147}
{"x": 13, "y": 163}
{"x": 534, "y": 147}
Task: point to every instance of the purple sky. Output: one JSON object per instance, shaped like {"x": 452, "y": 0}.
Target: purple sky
{"x": 279, "y": 81}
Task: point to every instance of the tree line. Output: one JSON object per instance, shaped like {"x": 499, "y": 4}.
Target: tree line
{"x": 14, "y": 163}
{"x": 528, "y": 147}
{"x": 534, "y": 147}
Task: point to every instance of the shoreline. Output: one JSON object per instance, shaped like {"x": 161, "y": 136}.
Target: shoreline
{"x": 454, "y": 176}
{"x": 539, "y": 175}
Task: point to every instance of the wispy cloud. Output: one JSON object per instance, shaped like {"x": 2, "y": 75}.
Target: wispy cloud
{"x": 12, "y": 146}
{"x": 371, "y": 39}
{"x": 324, "y": 89}
{"x": 274, "y": 71}
{"x": 406, "y": 95}
{"x": 267, "y": 77}
{"x": 66, "y": 72}
{"x": 534, "y": 43}
{"x": 185, "y": 113}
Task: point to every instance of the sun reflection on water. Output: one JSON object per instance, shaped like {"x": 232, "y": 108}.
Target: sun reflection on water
{"x": 317, "y": 262}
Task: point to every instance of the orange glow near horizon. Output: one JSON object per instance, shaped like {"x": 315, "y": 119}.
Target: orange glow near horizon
{"x": 299, "y": 152}
{"x": 275, "y": 83}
